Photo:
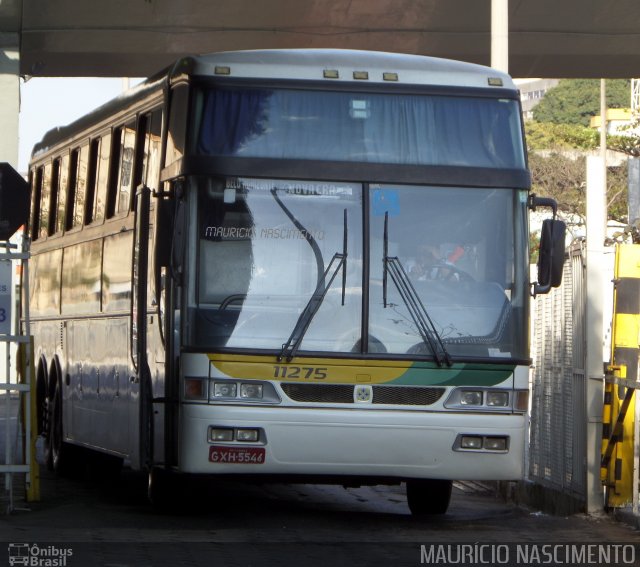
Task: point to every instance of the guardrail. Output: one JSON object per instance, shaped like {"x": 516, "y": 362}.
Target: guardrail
{"x": 17, "y": 461}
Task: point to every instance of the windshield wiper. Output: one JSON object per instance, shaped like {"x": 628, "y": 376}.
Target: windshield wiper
{"x": 325, "y": 279}
{"x": 290, "y": 348}
{"x": 426, "y": 328}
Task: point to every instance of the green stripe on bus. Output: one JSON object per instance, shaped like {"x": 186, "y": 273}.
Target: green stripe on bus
{"x": 457, "y": 375}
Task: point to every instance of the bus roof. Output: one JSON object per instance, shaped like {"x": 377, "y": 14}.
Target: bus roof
{"x": 332, "y": 65}
{"x": 350, "y": 65}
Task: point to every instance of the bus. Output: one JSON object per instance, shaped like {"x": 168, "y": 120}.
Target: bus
{"x": 292, "y": 265}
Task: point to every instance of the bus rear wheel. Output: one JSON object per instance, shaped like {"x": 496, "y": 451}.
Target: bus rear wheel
{"x": 60, "y": 454}
{"x": 428, "y": 496}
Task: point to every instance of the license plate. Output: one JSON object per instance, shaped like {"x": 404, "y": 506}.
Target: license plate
{"x": 237, "y": 455}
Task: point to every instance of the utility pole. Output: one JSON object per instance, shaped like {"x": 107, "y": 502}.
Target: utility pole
{"x": 596, "y": 225}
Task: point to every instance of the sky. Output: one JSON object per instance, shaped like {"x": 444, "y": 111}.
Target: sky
{"x": 49, "y": 102}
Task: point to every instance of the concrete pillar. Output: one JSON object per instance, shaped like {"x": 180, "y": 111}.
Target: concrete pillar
{"x": 596, "y": 221}
{"x": 9, "y": 97}
{"x": 500, "y": 35}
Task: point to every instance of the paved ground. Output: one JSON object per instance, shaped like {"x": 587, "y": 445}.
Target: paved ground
{"x": 98, "y": 520}
{"x": 110, "y": 523}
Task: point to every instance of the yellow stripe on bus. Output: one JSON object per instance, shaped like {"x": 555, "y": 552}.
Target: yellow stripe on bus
{"x": 326, "y": 370}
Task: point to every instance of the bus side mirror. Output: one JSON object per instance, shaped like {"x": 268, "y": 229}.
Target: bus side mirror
{"x": 551, "y": 256}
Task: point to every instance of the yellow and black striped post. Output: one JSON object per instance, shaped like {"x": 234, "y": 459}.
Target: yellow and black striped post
{"x": 622, "y": 380}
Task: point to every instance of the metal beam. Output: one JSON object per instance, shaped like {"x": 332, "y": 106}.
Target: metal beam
{"x": 575, "y": 38}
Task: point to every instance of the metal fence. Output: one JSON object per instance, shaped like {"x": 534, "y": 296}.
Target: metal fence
{"x": 557, "y": 452}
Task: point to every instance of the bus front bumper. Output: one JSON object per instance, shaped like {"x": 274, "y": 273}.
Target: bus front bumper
{"x": 335, "y": 442}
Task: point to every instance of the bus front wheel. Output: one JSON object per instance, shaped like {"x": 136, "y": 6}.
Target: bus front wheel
{"x": 428, "y": 496}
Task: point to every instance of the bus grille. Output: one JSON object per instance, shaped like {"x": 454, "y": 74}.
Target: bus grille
{"x": 322, "y": 393}
{"x": 406, "y": 395}
{"x": 344, "y": 394}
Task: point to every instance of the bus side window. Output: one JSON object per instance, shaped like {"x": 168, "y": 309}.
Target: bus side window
{"x": 36, "y": 198}
{"x": 53, "y": 199}
{"x": 78, "y": 173}
{"x": 151, "y": 159}
{"x": 92, "y": 176}
{"x": 62, "y": 177}
{"x": 102, "y": 179}
{"x": 177, "y": 123}
{"x": 45, "y": 198}
{"x": 72, "y": 192}
{"x": 125, "y": 143}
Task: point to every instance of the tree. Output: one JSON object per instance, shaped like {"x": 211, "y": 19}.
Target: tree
{"x": 575, "y": 101}
{"x": 564, "y": 179}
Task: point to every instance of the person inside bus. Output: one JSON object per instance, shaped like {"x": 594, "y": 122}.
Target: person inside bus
{"x": 429, "y": 264}
{"x": 423, "y": 267}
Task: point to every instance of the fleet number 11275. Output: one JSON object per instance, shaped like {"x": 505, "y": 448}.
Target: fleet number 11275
{"x": 304, "y": 372}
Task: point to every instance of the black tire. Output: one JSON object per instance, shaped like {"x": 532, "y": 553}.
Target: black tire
{"x": 428, "y": 496}
{"x": 43, "y": 413}
{"x": 175, "y": 492}
{"x": 161, "y": 489}
{"x": 60, "y": 454}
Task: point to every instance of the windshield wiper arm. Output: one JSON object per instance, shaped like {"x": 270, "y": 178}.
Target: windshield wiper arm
{"x": 290, "y": 348}
{"x": 410, "y": 297}
{"x": 338, "y": 262}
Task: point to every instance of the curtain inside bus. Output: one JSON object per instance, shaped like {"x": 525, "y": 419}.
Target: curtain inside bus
{"x": 361, "y": 127}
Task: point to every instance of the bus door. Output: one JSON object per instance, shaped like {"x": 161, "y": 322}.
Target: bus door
{"x": 141, "y": 385}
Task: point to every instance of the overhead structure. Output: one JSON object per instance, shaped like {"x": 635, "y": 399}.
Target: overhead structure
{"x": 574, "y": 38}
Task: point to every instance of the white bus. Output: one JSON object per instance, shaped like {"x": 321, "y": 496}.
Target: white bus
{"x": 303, "y": 265}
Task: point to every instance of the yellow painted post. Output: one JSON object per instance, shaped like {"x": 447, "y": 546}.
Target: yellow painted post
{"x": 33, "y": 487}
{"x": 618, "y": 416}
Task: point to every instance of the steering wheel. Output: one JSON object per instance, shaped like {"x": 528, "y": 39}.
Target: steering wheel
{"x": 232, "y": 299}
{"x": 447, "y": 271}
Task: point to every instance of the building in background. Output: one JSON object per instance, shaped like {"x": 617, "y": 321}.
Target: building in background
{"x": 532, "y": 92}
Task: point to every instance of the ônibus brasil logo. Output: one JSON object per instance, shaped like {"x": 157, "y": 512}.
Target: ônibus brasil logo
{"x": 34, "y": 555}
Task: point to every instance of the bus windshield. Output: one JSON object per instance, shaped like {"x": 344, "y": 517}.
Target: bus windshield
{"x": 263, "y": 247}
{"x": 408, "y": 129}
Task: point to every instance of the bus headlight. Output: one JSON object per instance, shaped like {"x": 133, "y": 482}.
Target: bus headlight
{"x": 497, "y": 399}
{"x": 242, "y": 391}
{"x": 248, "y": 435}
{"x": 471, "y": 442}
{"x": 495, "y": 443}
{"x": 225, "y": 389}
{"x": 220, "y": 434}
{"x": 487, "y": 399}
{"x": 251, "y": 391}
{"x": 481, "y": 443}
{"x": 470, "y": 398}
